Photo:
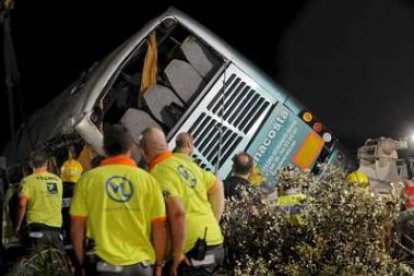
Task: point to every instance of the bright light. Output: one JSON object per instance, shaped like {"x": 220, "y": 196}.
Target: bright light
{"x": 317, "y": 127}
{"x": 412, "y": 137}
{"x": 327, "y": 137}
{"x": 307, "y": 117}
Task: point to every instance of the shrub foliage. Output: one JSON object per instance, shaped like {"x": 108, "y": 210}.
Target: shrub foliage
{"x": 344, "y": 231}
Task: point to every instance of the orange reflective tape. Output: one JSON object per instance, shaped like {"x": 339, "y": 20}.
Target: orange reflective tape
{"x": 159, "y": 159}
{"x": 78, "y": 217}
{"x": 215, "y": 185}
{"x": 23, "y": 199}
{"x": 159, "y": 219}
{"x": 119, "y": 160}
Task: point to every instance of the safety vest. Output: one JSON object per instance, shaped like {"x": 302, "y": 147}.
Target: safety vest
{"x": 293, "y": 203}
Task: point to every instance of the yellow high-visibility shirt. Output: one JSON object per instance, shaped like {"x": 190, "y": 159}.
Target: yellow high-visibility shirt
{"x": 293, "y": 203}
{"x": 183, "y": 178}
{"x": 120, "y": 202}
{"x": 43, "y": 192}
{"x": 71, "y": 171}
{"x": 183, "y": 156}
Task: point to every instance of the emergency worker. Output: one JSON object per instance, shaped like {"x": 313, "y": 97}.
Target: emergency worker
{"x": 70, "y": 173}
{"x": 291, "y": 199}
{"x": 241, "y": 170}
{"x": 195, "y": 203}
{"x": 40, "y": 200}
{"x": 359, "y": 179}
{"x": 124, "y": 212}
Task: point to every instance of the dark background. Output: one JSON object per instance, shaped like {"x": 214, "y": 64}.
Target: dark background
{"x": 350, "y": 61}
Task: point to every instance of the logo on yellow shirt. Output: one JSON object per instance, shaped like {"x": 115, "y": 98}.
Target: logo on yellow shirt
{"x": 188, "y": 176}
{"x": 52, "y": 187}
{"x": 119, "y": 189}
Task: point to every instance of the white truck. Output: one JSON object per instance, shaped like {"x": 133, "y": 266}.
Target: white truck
{"x": 378, "y": 159}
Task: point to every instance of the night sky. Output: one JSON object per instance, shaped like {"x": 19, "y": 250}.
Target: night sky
{"x": 350, "y": 61}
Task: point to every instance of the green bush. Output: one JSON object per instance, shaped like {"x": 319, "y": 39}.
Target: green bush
{"x": 345, "y": 231}
{"x": 48, "y": 262}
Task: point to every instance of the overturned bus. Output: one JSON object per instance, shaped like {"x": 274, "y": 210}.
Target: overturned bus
{"x": 177, "y": 75}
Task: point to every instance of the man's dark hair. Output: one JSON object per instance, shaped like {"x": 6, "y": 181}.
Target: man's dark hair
{"x": 117, "y": 140}
{"x": 242, "y": 163}
{"x": 96, "y": 161}
{"x": 37, "y": 159}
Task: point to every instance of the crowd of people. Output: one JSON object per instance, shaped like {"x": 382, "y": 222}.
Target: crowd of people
{"x": 163, "y": 219}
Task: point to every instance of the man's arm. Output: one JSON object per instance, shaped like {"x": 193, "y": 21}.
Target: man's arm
{"x": 77, "y": 232}
{"x": 21, "y": 211}
{"x": 216, "y": 199}
{"x": 159, "y": 241}
{"x": 176, "y": 216}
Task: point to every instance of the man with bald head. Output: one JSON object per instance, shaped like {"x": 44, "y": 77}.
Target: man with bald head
{"x": 184, "y": 144}
{"x": 241, "y": 170}
{"x": 195, "y": 203}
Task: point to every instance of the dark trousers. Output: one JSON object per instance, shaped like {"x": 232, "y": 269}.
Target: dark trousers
{"x": 99, "y": 267}
{"x": 212, "y": 262}
{"x": 40, "y": 237}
